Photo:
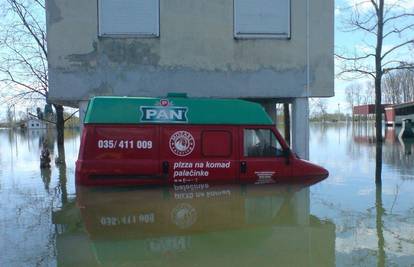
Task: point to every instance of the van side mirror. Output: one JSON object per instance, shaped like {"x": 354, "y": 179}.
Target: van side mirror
{"x": 286, "y": 155}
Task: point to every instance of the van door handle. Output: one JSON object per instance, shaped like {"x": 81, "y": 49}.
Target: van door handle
{"x": 165, "y": 167}
{"x": 243, "y": 166}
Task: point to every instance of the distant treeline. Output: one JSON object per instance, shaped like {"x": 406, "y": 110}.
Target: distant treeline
{"x": 13, "y": 121}
{"x": 398, "y": 87}
{"x": 329, "y": 117}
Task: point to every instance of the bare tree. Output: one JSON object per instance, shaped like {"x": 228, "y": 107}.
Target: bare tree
{"x": 23, "y": 56}
{"x": 353, "y": 96}
{"x": 387, "y": 26}
{"x": 319, "y": 107}
{"x": 391, "y": 89}
{"x": 368, "y": 93}
{"x": 398, "y": 87}
{"x": 11, "y": 114}
{"x": 407, "y": 85}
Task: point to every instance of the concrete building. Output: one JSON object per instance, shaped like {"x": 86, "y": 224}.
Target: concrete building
{"x": 264, "y": 50}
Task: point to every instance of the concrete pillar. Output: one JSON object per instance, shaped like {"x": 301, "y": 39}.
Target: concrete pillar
{"x": 83, "y": 105}
{"x": 270, "y": 108}
{"x": 300, "y": 127}
{"x": 286, "y": 115}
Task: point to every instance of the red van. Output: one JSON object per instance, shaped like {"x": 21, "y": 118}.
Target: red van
{"x": 158, "y": 141}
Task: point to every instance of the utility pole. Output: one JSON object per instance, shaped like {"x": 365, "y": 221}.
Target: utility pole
{"x": 339, "y": 112}
{"x": 14, "y": 115}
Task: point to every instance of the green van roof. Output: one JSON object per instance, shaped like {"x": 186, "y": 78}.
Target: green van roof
{"x": 175, "y": 108}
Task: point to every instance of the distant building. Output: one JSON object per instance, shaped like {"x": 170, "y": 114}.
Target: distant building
{"x": 395, "y": 114}
{"x": 268, "y": 51}
{"x": 35, "y": 123}
{"x": 367, "y": 110}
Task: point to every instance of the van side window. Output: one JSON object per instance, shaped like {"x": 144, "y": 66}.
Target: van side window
{"x": 216, "y": 143}
{"x": 261, "y": 143}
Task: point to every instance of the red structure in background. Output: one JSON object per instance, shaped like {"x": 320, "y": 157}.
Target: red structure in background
{"x": 367, "y": 109}
{"x": 390, "y": 115}
{"x": 395, "y": 113}
{"x": 364, "y": 109}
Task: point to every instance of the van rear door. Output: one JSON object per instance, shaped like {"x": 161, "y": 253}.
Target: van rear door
{"x": 200, "y": 153}
{"x": 261, "y": 156}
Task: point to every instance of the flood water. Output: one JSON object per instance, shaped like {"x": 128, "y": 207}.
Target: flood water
{"x": 343, "y": 221}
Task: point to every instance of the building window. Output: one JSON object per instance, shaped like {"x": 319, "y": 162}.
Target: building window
{"x": 128, "y": 18}
{"x": 261, "y": 18}
{"x": 261, "y": 143}
{"x": 216, "y": 144}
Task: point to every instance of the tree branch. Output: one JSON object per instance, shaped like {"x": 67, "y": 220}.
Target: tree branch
{"x": 33, "y": 115}
{"x": 399, "y": 62}
{"x": 398, "y": 31}
{"x": 40, "y": 4}
{"x": 13, "y": 80}
{"x": 68, "y": 118}
{"x": 398, "y": 17}
{"x": 360, "y": 26}
{"x": 403, "y": 67}
{"x": 18, "y": 96}
{"x": 354, "y": 58}
{"x": 396, "y": 47}
{"x": 375, "y": 6}
{"x": 372, "y": 74}
{"x": 26, "y": 62}
{"x": 18, "y": 9}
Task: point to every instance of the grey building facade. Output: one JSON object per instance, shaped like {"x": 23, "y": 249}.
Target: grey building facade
{"x": 265, "y": 50}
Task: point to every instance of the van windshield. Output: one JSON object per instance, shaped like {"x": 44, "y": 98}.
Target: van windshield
{"x": 261, "y": 143}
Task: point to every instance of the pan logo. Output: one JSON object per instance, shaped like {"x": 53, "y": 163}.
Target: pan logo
{"x": 182, "y": 143}
{"x": 164, "y": 111}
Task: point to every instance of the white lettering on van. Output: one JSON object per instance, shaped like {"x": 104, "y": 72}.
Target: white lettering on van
{"x": 164, "y": 114}
{"x": 201, "y": 165}
{"x": 197, "y": 169}
{"x": 183, "y": 165}
{"x": 151, "y": 113}
{"x": 176, "y": 114}
{"x": 124, "y": 144}
{"x": 191, "y": 173}
{"x": 218, "y": 165}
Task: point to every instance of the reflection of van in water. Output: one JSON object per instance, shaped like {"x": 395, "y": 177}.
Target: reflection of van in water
{"x": 193, "y": 225}
{"x": 149, "y": 141}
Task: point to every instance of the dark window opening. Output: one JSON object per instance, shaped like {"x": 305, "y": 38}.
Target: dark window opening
{"x": 261, "y": 143}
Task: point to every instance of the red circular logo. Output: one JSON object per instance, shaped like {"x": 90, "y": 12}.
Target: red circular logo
{"x": 182, "y": 143}
{"x": 164, "y": 102}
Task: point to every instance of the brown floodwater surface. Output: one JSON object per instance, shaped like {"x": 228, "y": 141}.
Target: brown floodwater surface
{"x": 345, "y": 220}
